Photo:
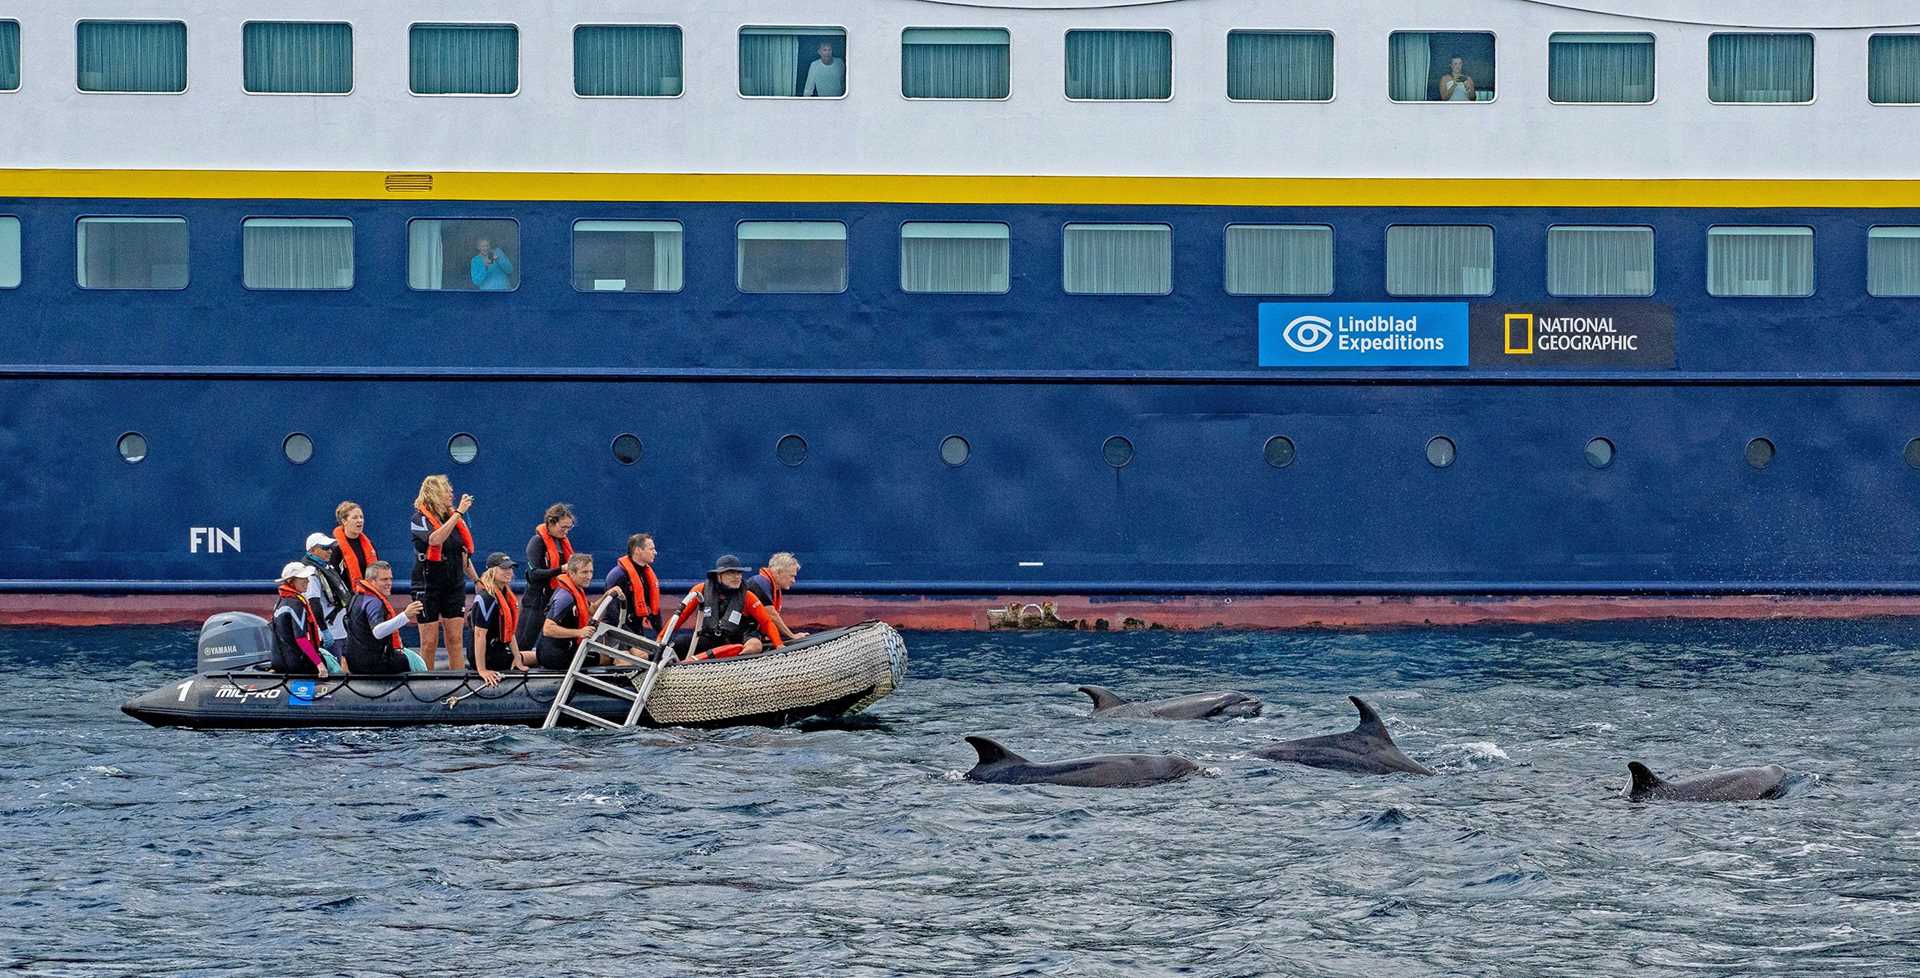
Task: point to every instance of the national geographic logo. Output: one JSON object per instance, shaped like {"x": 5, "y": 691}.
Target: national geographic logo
{"x": 1555, "y": 335}
{"x": 1519, "y": 333}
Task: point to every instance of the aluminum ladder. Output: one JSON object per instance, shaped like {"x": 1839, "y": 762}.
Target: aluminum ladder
{"x": 624, "y": 647}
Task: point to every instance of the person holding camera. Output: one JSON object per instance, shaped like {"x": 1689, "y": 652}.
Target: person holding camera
{"x": 1456, "y": 85}
{"x": 490, "y": 268}
{"x": 443, "y": 551}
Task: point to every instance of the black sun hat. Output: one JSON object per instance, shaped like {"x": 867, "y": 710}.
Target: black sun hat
{"x": 727, "y": 562}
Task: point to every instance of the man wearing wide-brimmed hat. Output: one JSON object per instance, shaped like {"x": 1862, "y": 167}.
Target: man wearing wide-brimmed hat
{"x": 717, "y": 610}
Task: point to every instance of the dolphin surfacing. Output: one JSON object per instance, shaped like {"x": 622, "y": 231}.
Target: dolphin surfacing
{"x": 1734, "y": 784}
{"x": 1366, "y": 749}
{"x": 998, "y": 765}
{"x": 1199, "y": 706}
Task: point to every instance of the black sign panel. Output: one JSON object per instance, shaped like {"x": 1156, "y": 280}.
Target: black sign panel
{"x": 1603, "y": 335}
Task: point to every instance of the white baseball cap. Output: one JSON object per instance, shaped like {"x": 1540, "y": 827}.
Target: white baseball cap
{"x": 319, "y": 540}
{"x": 295, "y": 569}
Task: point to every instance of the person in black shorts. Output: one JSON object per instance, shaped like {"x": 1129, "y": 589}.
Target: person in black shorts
{"x": 443, "y": 551}
{"x": 494, "y": 617}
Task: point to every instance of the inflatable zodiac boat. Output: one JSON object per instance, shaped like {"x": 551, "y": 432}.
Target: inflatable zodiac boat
{"x": 825, "y": 675}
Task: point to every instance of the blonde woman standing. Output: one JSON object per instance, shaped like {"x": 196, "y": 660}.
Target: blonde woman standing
{"x": 443, "y": 552}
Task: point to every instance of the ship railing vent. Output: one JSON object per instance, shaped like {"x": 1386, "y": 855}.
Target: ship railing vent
{"x": 409, "y": 183}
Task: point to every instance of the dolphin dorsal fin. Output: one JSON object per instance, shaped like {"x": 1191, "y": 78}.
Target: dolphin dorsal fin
{"x": 992, "y": 751}
{"x": 1644, "y": 780}
{"x": 1370, "y": 723}
{"x": 1103, "y": 698}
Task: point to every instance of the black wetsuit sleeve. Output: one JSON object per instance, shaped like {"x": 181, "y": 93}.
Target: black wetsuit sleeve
{"x": 538, "y": 572}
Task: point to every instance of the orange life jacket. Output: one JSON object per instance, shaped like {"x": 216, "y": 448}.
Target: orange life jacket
{"x": 365, "y": 588}
{"x": 433, "y": 549}
{"x": 350, "y": 557}
{"x": 773, "y": 586}
{"x": 557, "y": 554}
{"x": 755, "y": 608}
{"x": 580, "y": 607}
{"x": 645, "y": 586}
{"x": 509, "y": 614}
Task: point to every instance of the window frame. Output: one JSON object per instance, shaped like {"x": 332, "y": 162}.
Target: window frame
{"x": 573, "y": 229}
{"x": 1409, "y": 30}
{"x": 1227, "y": 61}
{"x": 955, "y": 27}
{"x": 1867, "y": 61}
{"x": 351, "y": 227}
{"x": 188, "y": 45}
{"x": 798, "y": 31}
{"x": 1173, "y": 76}
{"x": 407, "y": 246}
{"x": 1653, "y": 264}
{"x": 1866, "y": 286}
{"x": 573, "y": 64}
{"x": 21, "y": 223}
{"x": 1386, "y": 263}
{"x": 900, "y": 236}
{"x": 21, "y": 33}
{"x": 1815, "y": 82}
{"x": 1653, "y": 39}
{"x": 182, "y": 218}
{"x": 1813, "y": 257}
{"x": 845, "y": 227}
{"x": 353, "y": 59}
{"x": 519, "y": 81}
{"x": 1333, "y": 267}
{"x": 1173, "y": 262}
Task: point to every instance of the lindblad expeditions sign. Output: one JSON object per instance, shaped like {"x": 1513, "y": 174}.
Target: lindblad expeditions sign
{"x": 1636, "y": 335}
{"x": 1457, "y": 334}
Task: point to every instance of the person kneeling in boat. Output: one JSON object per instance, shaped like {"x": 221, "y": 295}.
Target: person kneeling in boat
{"x": 495, "y": 617}
{"x": 298, "y": 649}
{"x": 373, "y": 627}
{"x": 717, "y": 610}
{"x": 772, "y": 583}
{"x": 569, "y": 616}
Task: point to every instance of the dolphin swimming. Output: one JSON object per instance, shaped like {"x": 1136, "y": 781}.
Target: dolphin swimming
{"x": 1366, "y": 749}
{"x": 999, "y": 765}
{"x": 1733, "y": 784}
{"x": 1199, "y": 706}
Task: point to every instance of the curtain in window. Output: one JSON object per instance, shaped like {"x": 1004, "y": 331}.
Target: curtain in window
{"x": 132, "y": 253}
{"x": 474, "y": 59}
{"x": 1600, "y": 68}
{"x": 1440, "y": 260}
{"x": 1409, "y": 60}
{"x": 1760, "y": 67}
{"x": 633, "y": 60}
{"x": 1893, "y": 261}
{"x": 668, "y": 261}
{"x": 1279, "y": 259}
{"x": 1600, "y": 261}
{"x": 960, "y": 62}
{"x": 1893, "y": 68}
{"x": 297, "y": 253}
{"x": 792, "y": 256}
{"x": 627, "y": 256}
{"x": 1760, "y": 261}
{"x": 9, "y": 252}
{"x": 9, "y": 55}
{"x": 953, "y": 257}
{"x": 426, "y": 255}
{"x": 1119, "y": 64}
{"x": 289, "y": 58}
{"x": 1280, "y": 67}
{"x": 769, "y": 64}
{"x": 1118, "y": 259}
{"x": 132, "y": 56}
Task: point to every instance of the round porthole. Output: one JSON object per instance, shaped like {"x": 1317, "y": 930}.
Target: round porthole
{"x": 1599, "y": 453}
{"x": 626, "y": 448}
{"x": 1118, "y": 452}
{"x": 954, "y": 450}
{"x": 463, "y": 448}
{"x": 133, "y": 447}
{"x": 1279, "y": 451}
{"x": 1760, "y": 453}
{"x": 1912, "y": 453}
{"x": 1440, "y": 451}
{"x": 791, "y": 450}
{"x": 298, "y": 448}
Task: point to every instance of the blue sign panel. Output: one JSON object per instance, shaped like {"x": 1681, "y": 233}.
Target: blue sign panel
{"x": 300, "y": 692}
{"x": 1363, "y": 334}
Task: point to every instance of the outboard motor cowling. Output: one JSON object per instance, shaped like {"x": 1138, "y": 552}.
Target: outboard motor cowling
{"x": 234, "y": 640}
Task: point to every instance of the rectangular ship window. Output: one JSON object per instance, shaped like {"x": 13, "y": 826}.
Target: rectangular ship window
{"x": 1279, "y": 259}
{"x": 1893, "y": 69}
{"x": 1280, "y": 66}
{"x": 1760, "y": 261}
{"x": 132, "y": 252}
{"x": 463, "y": 59}
{"x": 1440, "y": 259}
{"x": 1587, "y": 67}
{"x": 1893, "y": 261}
{"x": 9, "y": 252}
{"x": 9, "y": 55}
{"x": 286, "y": 58}
{"x": 953, "y": 257}
{"x": 463, "y": 254}
{"x": 792, "y": 256}
{"x": 296, "y": 253}
{"x": 131, "y": 56}
{"x": 626, "y": 60}
{"x": 627, "y": 256}
{"x": 955, "y": 62}
{"x": 793, "y": 62}
{"x": 1117, "y": 259}
{"x": 1599, "y": 260}
{"x": 1440, "y": 66}
{"x": 1122, "y": 65}
{"x": 1760, "y": 68}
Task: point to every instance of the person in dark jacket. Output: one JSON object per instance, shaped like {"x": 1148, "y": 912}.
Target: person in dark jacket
{"x": 297, "y": 643}
{"x": 373, "y": 627}
{"x": 569, "y": 616}
{"x": 772, "y": 584}
{"x": 327, "y": 591}
{"x": 635, "y": 588}
{"x": 547, "y": 555}
{"x": 721, "y": 614}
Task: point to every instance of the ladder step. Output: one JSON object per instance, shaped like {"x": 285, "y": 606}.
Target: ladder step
{"x": 583, "y": 715}
{"x": 623, "y": 692}
{"x": 619, "y": 654}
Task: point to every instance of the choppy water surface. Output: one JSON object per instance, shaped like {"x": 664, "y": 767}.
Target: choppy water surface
{"x": 859, "y": 851}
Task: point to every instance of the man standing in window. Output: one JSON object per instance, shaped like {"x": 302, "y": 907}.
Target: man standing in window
{"x": 826, "y": 78}
{"x": 1456, "y": 85}
{"x": 490, "y": 269}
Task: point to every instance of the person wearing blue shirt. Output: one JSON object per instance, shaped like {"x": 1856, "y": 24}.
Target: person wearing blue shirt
{"x": 491, "y": 270}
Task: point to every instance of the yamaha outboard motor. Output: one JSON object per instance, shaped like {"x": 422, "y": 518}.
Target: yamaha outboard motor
{"x": 234, "y": 640}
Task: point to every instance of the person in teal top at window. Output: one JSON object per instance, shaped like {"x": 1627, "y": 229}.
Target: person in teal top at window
{"x": 490, "y": 268}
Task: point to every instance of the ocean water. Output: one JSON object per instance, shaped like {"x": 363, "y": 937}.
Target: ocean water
{"x": 858, "y": 849}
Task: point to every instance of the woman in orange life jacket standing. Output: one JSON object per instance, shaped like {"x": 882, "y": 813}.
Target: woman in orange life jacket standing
{"x": 569, "y": 615}
{"x": 632, "y": 583}
{"x": 772, "y": 583}
{"x": 443, "y": 551}
{"x": 547, "y": 555}
{"x": 495, "y": 617}
{"x": 352, "y": 548}
{"x": 717, "y": 610}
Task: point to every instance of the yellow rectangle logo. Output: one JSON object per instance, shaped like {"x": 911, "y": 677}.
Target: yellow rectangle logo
{"x": 1519, "y": 330}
